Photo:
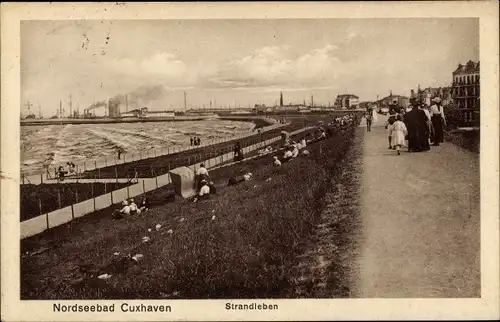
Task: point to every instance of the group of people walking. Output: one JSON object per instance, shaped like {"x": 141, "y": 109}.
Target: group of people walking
{"x": 421, "y": 126}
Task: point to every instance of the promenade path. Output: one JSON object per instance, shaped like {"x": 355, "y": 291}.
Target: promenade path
{"x": 420, "y": 222}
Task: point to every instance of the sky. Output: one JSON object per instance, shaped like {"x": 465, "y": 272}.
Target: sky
{"x": 236, "y": 62}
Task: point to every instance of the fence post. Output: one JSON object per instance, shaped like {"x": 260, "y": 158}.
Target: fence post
{"x": 112, "y": 202}
{"x": 84, "y": 166}
{"x": 143, "y": 187}
{"x": 22, "y": 177}
{"x": 59, "y": 198}
{"x": 72, "y": 212}
{"x": 156, "y": 180}
{"x": 92, "y": 190}
{"x": 124, "y": 158}
{"x": 46, "y": 215}
{"x": 105, "y": 187}
{"x": 116, "y": 174}
{"x": 128, "y": 193}
{"x": 76, "y": 195}
{"x": 41, "y": 178}
{"x": 105, "y": 161}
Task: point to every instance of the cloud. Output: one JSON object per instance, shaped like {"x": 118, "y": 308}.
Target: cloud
{"x": 350, "y": 36}
{"x": 264, "y": 63}
{"x": 160, "y": 67}
{"x": 277, "y": 66}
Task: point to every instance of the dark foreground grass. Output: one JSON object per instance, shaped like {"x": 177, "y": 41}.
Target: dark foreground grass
{"x": 239, "y": 244}
{"x": 469, "y": 140}
{"x": 40, "y": 199}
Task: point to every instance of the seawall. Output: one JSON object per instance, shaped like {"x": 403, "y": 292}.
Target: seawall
{"x": 32, "y": 122}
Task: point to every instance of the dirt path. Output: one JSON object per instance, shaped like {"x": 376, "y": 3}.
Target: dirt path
{"x": 420, "y": 222}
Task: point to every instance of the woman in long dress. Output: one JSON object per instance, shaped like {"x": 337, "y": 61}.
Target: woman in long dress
{"x": 398, "y": 132}
{"x": 418, "y": 129}
{"x": 438, "y": 121}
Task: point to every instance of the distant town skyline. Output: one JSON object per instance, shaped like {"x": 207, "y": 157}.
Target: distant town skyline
{"x": 236, "y": 62}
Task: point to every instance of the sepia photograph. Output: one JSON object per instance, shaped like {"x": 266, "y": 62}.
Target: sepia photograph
{"x": 248, "y": 160}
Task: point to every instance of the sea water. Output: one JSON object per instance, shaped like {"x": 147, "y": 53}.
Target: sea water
{"x": 43, "y": 146}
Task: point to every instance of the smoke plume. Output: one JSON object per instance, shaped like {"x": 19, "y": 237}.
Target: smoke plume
{"x": 141, "y": 96}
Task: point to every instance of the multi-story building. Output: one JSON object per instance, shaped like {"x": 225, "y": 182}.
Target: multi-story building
{"x": 466, "y": 85}
{"x": 425, "y": 96}
{"x": 392, "y": 100}
{"x": 346, "y": 101}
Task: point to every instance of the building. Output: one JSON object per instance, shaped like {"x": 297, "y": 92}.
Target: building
{"x": 163, "y": 114}
{"x": 466, "y": 86}
{"x": 426, "y": 95}
{"x": 398, "y": 100}
{"x": 113, "y": 108}
{"x": 136, "y": 113}
{"x": 291, "y": 108}
{"x": 364, "y": 105}
{"x": 346, "y": 101}
{"x": 262, "y": 108}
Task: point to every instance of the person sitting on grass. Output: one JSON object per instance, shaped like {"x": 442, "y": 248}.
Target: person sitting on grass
{"x": 239, "y": 179}
{"x": 295, "y": 151}
{"x": 276, "y": 162}
{"x": 248, "y": 176}
{"x": 118, "y": 214}
{"x": 204, "y": 191}
{"x": 288, "y": 154}
{"x": 144, "y": 205}
{"x": 133, "y": 207}
{"x": 202, "y": 174}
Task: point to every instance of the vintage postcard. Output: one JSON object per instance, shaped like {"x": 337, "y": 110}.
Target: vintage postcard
{"x": 249, "y": 161}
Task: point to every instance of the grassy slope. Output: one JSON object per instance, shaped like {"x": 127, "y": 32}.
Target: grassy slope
{"x": 467, "y": 140}
{"x": 70, "y": 193}
{"x": 260, "y": 227}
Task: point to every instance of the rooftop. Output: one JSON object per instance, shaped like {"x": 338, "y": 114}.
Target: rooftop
{"x": 470, "y": 67}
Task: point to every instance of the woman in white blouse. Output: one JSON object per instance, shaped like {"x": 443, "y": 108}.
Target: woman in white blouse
{"x": 438, "y": 121}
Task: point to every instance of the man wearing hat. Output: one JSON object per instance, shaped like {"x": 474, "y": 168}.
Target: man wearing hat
{"x": 438, "y": 120}
{"x": 204, "y": 191}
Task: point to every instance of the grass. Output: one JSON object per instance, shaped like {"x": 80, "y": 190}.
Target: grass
{"x": 247, "y": 251}
{"x": 55, "y": 196}
{"x": 469, "y": 140}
